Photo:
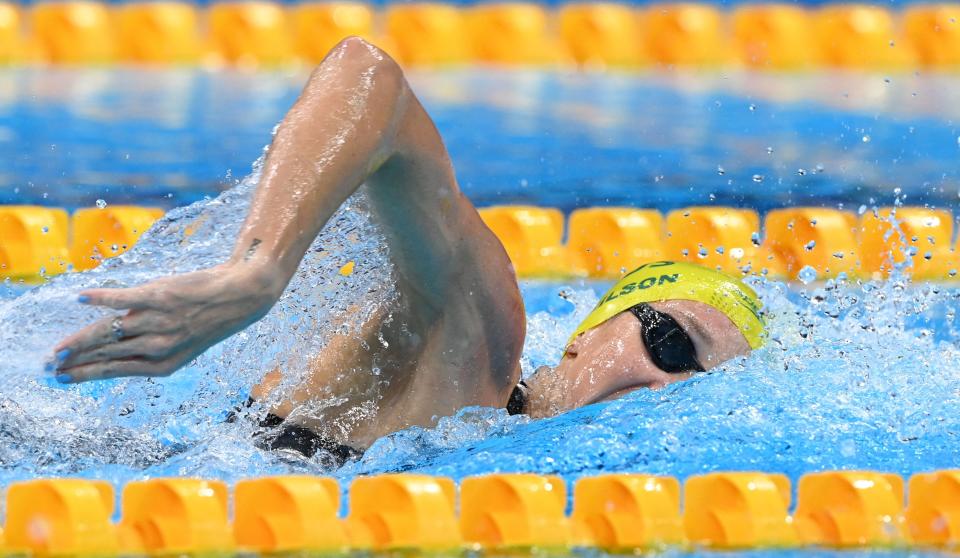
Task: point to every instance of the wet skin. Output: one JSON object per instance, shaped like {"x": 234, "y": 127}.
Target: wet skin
{"x": 611, "y": 359}
{"x": 453, "y": 340}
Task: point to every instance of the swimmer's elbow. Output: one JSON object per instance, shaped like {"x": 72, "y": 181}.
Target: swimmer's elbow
{"x": 362, "y": 59}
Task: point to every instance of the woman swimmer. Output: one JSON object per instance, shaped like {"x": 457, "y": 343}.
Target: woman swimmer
{"x": 456, "y": 339}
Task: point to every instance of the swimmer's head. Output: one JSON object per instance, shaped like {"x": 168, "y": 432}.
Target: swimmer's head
{"x": 658, "y": 325}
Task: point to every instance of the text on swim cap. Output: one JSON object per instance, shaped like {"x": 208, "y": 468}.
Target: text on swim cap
{"x": 644, "y": 284}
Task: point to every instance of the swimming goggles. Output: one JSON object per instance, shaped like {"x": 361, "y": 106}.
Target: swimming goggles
{"x": 670, "y": 348}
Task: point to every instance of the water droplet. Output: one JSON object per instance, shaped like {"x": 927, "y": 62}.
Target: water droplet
{"x": 702, "y": 252}
{"x": 807, "y": 275}
{"x": 801, "y": 172}
{"x": 865, "y": 138}
{"x": 101, "y": 204}
{"x": 752, "y": 107}
{"x": 755, "y": 238}
{"x": 928, "y": 256}
{"x": 810, "y": 245}
{"x": 848, "y": 448}
{"x": 769, "y": 150}
{"x": 737, "y": 253}
{"x": 861, "y": 210}
{"x": 721, "y": 171}
{"x": 719, "y": 250}
{"x": 758, "y": 178}
{"x": 838, "y": 255}
{"x": 44, "y": 230}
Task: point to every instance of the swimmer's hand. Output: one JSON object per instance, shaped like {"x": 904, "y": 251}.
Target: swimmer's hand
{"x": 169, "y": 322}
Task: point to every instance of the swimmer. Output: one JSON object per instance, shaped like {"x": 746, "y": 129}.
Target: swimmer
{"x": 454, "y": 338}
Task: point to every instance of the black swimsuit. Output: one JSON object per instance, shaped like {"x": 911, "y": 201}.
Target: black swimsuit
{"x": 277, "y": 436}
{"x": 304, "y": 441}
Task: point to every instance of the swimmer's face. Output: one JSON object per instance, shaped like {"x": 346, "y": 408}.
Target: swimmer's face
{"x": 611, "y": 359}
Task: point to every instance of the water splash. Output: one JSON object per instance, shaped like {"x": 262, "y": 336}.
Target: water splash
{"x": 174, "y": 425}
{"x": 854, "y": 375}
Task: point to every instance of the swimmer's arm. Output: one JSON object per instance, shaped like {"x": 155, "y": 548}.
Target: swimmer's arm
{"x": 355, "y": 121}
{"x": 358, "y": 122}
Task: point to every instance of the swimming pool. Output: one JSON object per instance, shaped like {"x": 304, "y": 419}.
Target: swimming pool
{"x": 171, "y": 137}
{"x": 856, "y": 376}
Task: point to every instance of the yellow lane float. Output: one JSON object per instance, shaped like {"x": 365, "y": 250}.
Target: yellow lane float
{"x": 601, "y": 242}
{"x": 428, "y": 33}
{"x": 773, "y": 36}
{"x": 158, "y": 32}
{"x": 738, "y": 510}
{"x": 685, "y": 34}
{"x": 250, "y": 33}
{"x": 619, "y": 512}
{"x": 319, "y": 26}
{"x": 850, "y": 508}
{"x": 61, "y": 517}
{"x": 10, "y": 43}
{"x": 933, "y": 511}
{"x": 99, "y": 234}
{"x": 33, "y": 241}
{"x": 404, "y": 511}
{"x": 288, "y": 513}
{"x": 934, "y": 32}
{"x": 514, "y": 510}
{"x": 601, "y": 34}
{"x": 511, "y": 33}
{"x": 820, "y": 238}
{"x": 532, "y": 237}
{"x": 723, "y": 238}
{"x": 924, "y": 233}
{"x": 609, "y": 241}
{"x": 173, "y": 516}
{"x": 72, "y": 32}
{"x": 860, "y": 36}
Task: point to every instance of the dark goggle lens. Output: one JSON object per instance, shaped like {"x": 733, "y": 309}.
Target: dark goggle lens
{"x": 669, "y": 345}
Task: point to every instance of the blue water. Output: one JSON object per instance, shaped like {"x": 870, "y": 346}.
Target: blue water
{"x": 168, "y": 138}
{"x": 855, "y": 375}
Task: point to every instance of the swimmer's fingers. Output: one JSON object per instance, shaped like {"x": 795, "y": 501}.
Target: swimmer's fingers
{"x": 102, "y": 332}
{"x": 147, "y": 347}
{"x": 122, "y": 368}
{"x": 134, "y": 298}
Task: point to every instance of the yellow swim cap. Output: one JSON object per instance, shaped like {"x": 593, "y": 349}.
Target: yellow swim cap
{"x": 659, "y": 281}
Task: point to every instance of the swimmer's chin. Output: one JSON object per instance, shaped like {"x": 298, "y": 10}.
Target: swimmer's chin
{"x": 618, "y": 393}
{"x": 549, "y": 399}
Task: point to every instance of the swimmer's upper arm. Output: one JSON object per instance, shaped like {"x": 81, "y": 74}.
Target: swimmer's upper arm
{"x": 356, "y": 122}
{"x": 448, "y": 262}
{"x": 438, "y": 242}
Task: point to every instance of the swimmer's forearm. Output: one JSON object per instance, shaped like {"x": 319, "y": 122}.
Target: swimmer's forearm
{"x": 340, "y": 130}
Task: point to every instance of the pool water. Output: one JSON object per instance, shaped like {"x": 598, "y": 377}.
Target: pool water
{"x": 171, "y": 137}
{"x": 855, "y": 375}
